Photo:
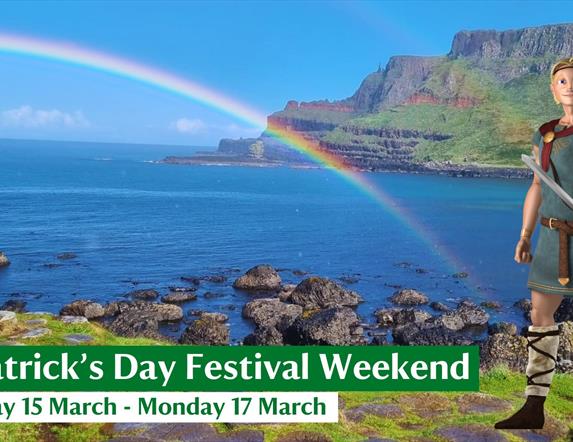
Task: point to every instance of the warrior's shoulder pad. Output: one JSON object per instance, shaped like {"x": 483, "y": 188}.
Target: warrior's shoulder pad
{"x": 546, "y": 127}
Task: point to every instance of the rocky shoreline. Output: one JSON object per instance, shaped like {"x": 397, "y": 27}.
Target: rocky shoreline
{"x": 448, "y": 168}
{"x": 316, "y": 311}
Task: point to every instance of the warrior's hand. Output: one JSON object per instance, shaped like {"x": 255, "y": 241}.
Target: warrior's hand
{"x": 522, "y": 254}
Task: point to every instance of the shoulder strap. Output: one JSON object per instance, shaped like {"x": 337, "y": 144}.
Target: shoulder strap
{"x": 547, "y": 146}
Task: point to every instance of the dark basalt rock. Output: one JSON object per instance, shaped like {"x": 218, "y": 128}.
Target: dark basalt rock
{"x": 14, "y": 305}
{"x": 261, "y": 277}
{"x": 428, "y": 334}
{"x": 316, "y": 292}
{"x": 507, "y": 328}
{"x": 466, "y": 314}
{"x": 394, "y": 316}
{"x": 134, "y": 324}
{"x": 143, "y": 294}
{"x": 264, "y": 336}
{"x": 439, "y": 306}
{"x": 409, "y": 297}
{"x": 502, "y": 348}
{"x": 205, "y": 331}
{"x": 86, "y": 308}
{"x": 270, "y": 311}
{"x": 332, "y": 326}
{"x": 4, "y": 261}
{"x": 179, "y": 297}
{"x": 162, "y": 312}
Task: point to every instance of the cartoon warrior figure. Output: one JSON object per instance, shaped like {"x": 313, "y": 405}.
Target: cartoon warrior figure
{"x": 549, "y": 274}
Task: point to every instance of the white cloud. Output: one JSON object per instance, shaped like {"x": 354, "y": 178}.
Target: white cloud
{"x": 195, "y": 125}
{"x": 189, "y": 126}
{"x": 28, "y": 117}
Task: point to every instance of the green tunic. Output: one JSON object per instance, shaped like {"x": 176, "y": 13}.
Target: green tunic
{"x": 544, "y": 270}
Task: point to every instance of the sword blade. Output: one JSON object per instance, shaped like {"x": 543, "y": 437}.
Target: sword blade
{"x": 548, "y": 180}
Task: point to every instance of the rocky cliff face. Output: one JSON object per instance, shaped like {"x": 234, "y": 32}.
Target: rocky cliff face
{"x": 472, "y": 74}
{"x": 553, "y": 40}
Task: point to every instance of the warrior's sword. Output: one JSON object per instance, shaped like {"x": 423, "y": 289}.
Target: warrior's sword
{"x": 548, "y": 180}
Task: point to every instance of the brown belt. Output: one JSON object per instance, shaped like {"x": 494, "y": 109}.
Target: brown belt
{"x": 565, "y": 229}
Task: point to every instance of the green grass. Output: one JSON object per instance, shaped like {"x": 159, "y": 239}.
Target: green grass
{"x": 59, "y": 329}
{"x": 499, "y": 382}
{"x": 496, "y": 132}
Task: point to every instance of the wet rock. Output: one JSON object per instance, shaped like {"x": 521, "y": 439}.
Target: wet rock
{"x": 162, "y": 312}
{"x": 395, "y": 316}
{"x": 66, "y": 255}
{"x": 303, "y": 436}
{"x": 357, "y": 414}
{"x": 409, "y": 297}
{"x": 466, "y": 314}
{"x": 439, "y": 306}
{"x": 504, "y": 349}
{"x": 565, "y": 310}
{"x": 145, "y": 294}
{"x": 523, "y": 304}
{"x": 270, "y": 311}
{"x": 73, "y": 319}
{"x": 347, "y": 279}
{"x": 502, "y": 327}
{"x": 191, "y": 279}
{"x": 215, "y": 278}
{"x": 4, "y": 261}
{"x": 35, "y": 333}
{"x": 86, "y": 308}
{"x": 179, "y": 297}
{"x": 219, "y": 317}
{"x": 332, "y": 326}
{"x": 491, "y": 304}
{"x": 205, "y": 331}
{"x": 403, "y": 264}
{"x": 467, "y": 432}
{"x": 379, "y": 339}
{"x": 385, "y": 316}
{"x": 316, "y": 292}
{"x": 409, "y": 315}
{"x": 52, "y": 265}
{"x": 78, "y": 338}
{"x": 285, "y": 292}
{"x": 134, "y": 324}
{"x": 264, "y": 336}
{"x": 14, "y": 305}
{"x": 428, "y": 333}
{"x": 261, "y": 277}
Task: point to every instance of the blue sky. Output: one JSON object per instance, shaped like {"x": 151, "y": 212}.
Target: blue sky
{"x": 262, "y": 53}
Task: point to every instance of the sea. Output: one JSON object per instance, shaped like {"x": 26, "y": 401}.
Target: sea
{"x": 136, "y": 224}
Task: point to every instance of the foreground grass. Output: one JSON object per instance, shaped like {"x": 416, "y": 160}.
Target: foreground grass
{"x": 499, "y": 382}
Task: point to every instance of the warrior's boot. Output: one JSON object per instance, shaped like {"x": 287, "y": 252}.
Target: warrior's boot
{"x": 543, "y": 342}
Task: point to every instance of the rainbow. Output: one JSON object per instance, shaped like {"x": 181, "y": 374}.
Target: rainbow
{"x": 78, "y": 55}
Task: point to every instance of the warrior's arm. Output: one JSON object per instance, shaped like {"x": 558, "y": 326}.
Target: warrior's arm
{"x": 532, "y": 199}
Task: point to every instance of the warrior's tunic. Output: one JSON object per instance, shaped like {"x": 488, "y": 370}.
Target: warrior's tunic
{"x": 544, "y": 268}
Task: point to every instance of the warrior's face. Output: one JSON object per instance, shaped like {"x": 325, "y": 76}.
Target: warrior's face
{"x": 562, "y": 86}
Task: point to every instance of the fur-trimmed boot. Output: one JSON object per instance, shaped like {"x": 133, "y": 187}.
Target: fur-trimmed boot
{"x": 543, "y": 342}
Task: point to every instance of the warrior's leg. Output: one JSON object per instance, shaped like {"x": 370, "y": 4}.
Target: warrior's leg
{"x": 542, "y": 345}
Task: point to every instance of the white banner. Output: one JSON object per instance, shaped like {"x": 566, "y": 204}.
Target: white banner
{"x": 128, "y": 407}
